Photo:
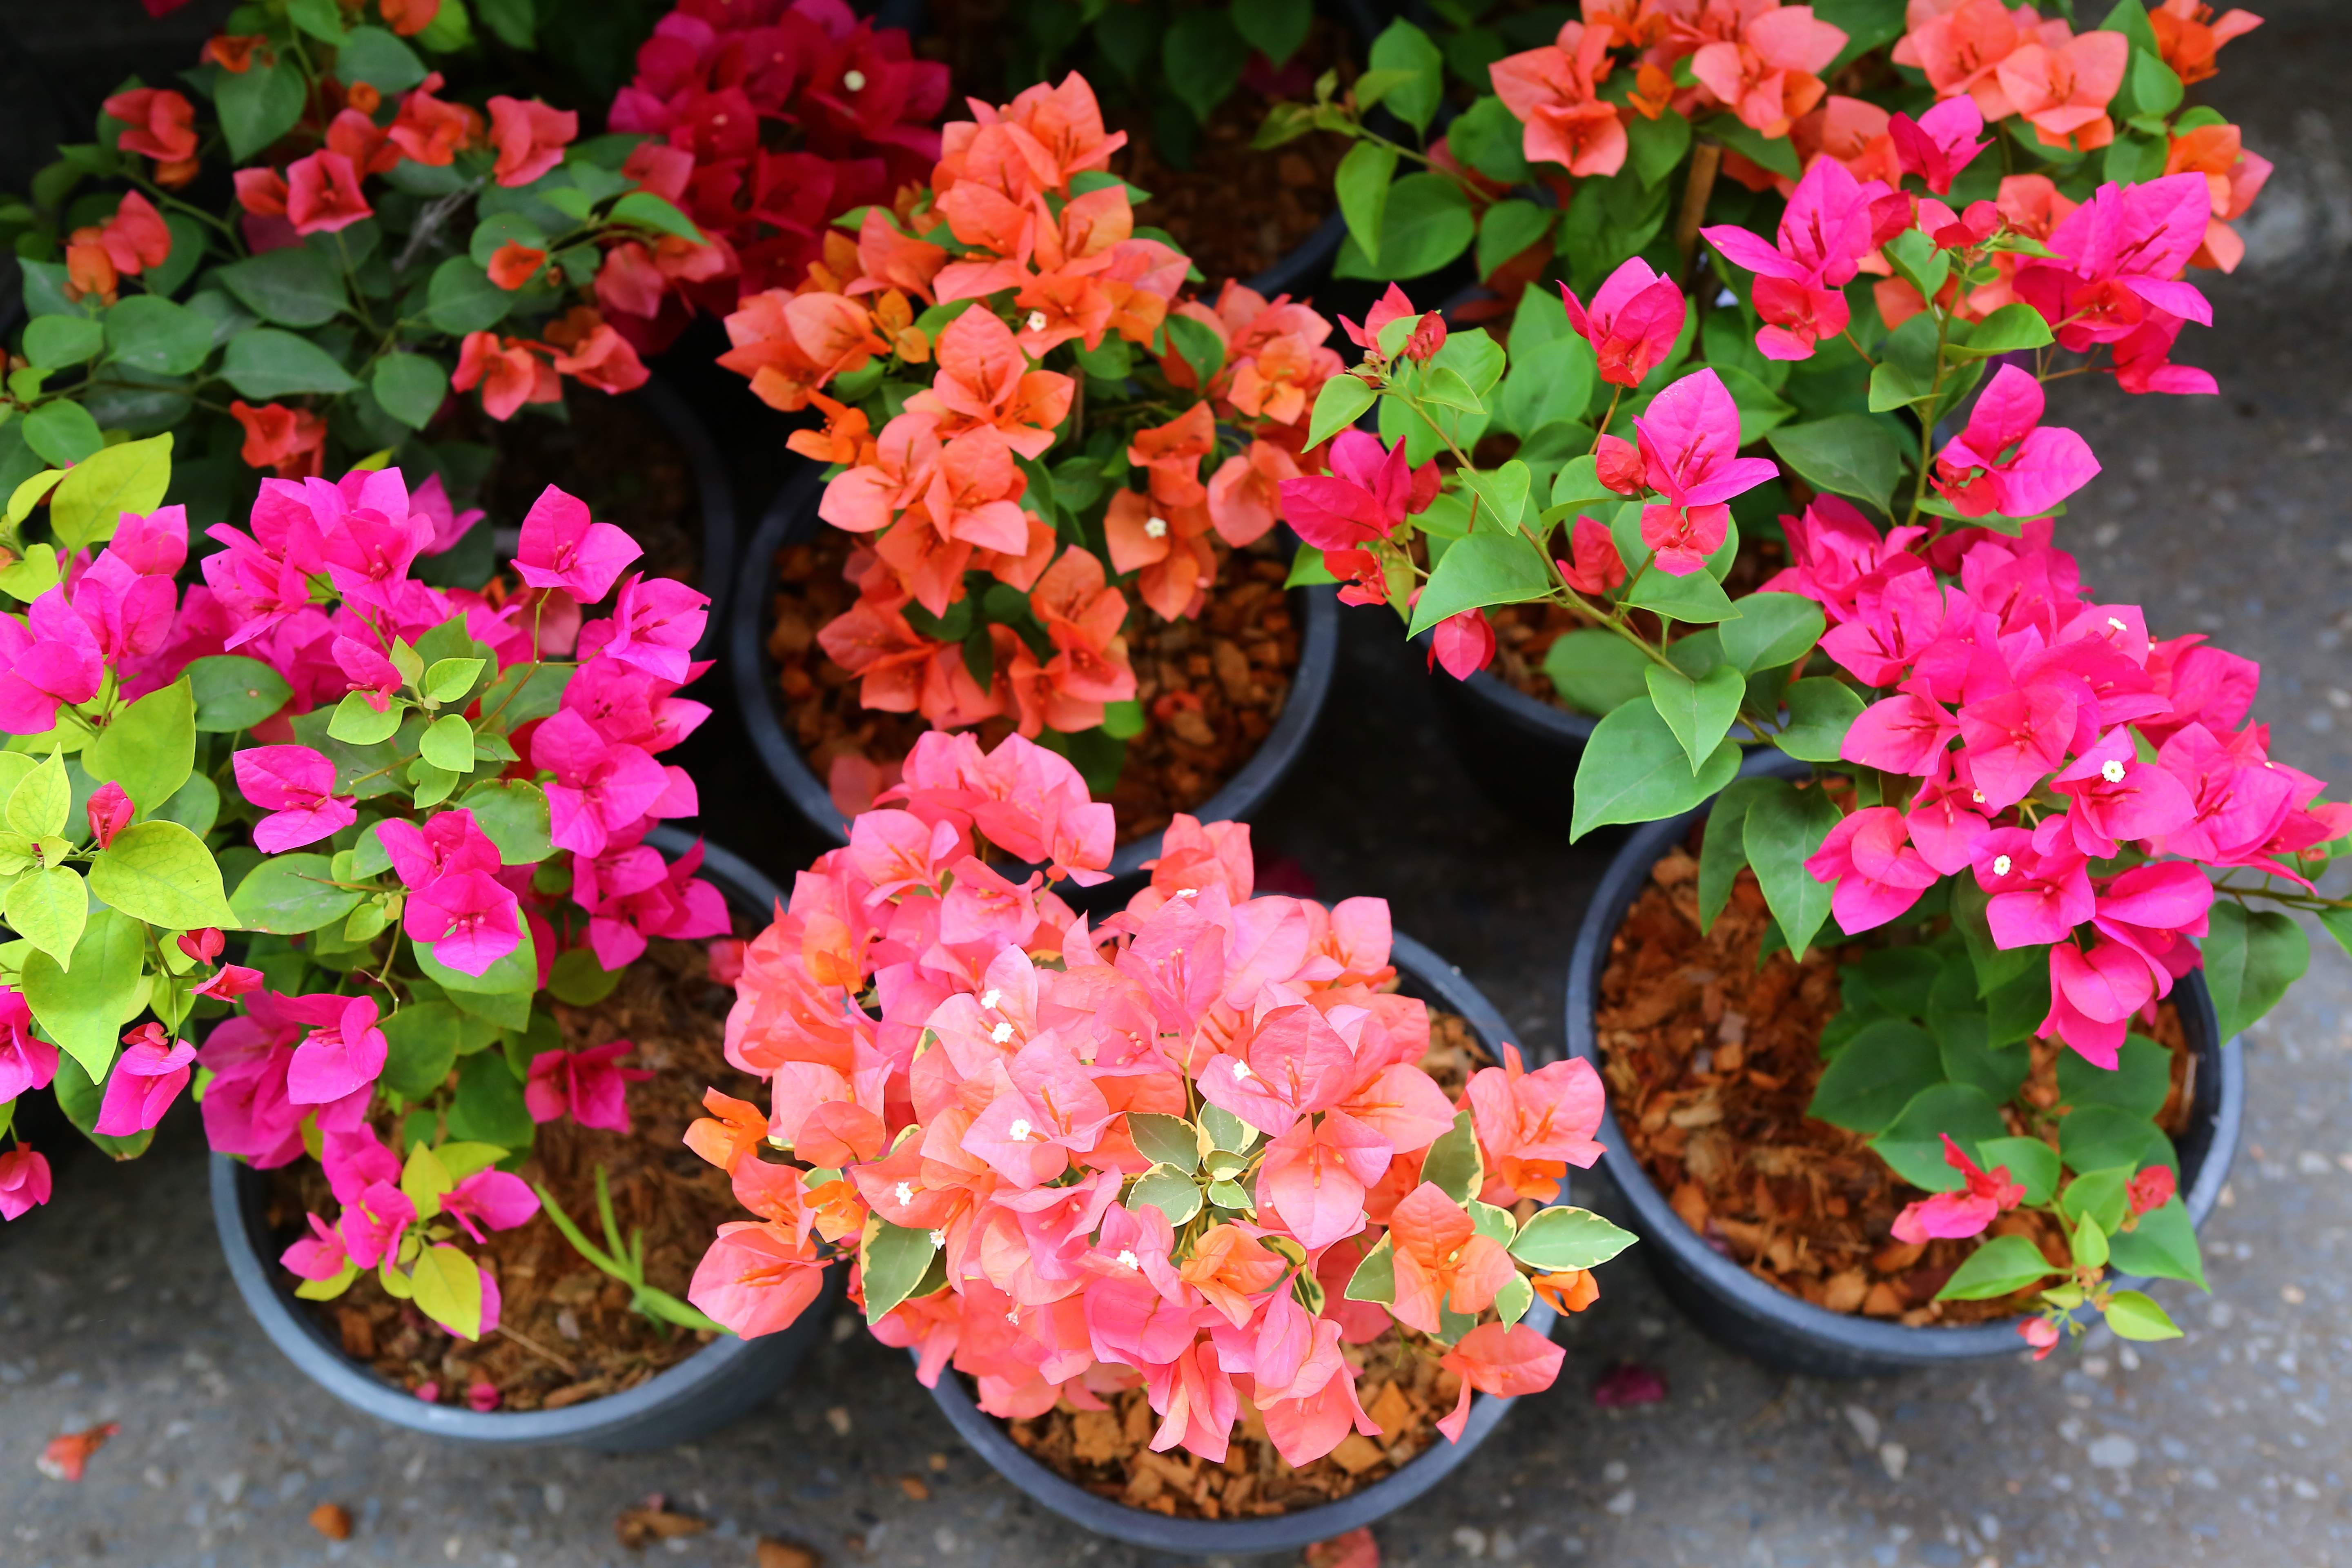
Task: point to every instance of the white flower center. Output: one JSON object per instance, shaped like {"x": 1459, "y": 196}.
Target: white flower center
{"x": 1188, "y": 892}
{"x": 1021, "y": 1130}
{"x": 1156, "y": 528}
{"x": 1002, "y": 1033}
{"x": 2112, "y": 771}
{"x": 2001, "y": 865}
{"x": 1013, "y": 1316}
{"x": 1977, "y": 795}
{"x": 1036, "y": 322}
{"x": 854, "y": 80}
{"x": 938, "y": 1239}
{"x": 906, "y": 1192}
{"x": 1242, "y": 1071}
{"x": 989, "y": 997}
{"x": 1127, "y": 1259}
{"x": 2117, "y": 622}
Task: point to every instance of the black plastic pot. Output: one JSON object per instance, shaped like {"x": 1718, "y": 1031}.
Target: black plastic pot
{"x": 713, "y": 494}
{"x": 726, "y": 1379}
{"x": 1762, "y": 1322}
{"x": 793, "y": 517}
{"x": 1442, "y": 985}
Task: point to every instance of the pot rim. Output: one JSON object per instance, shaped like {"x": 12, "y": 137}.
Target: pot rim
{"x": 1659, "y": 1225}
{"x": 1245, "y": 793}
{"x": 1277, "y": 1532}
{"x": 238, "y": 1199}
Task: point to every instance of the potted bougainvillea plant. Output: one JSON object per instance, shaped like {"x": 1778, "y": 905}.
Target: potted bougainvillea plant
{"x": 1052, "y": 478}
{"x": 2038, "y": 812}
{"x": 462, "y": 974}
{"x": 378, "y": 248}
{"x": 1174, "y": 1180}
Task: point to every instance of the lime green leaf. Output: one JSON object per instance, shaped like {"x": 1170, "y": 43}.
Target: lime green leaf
{"x": 91, "y": 500}
{"x": 162, "y": 873}
{"x": 48, "y": 908}
{"x": 40, "y": 804}
{"x": 448, "y": 1288}
{"x": 150, "y": 748}
{"x": 84, "y": 1009}
{"x": 2001, "y": 1267}
{"x": 1340, "y": 403}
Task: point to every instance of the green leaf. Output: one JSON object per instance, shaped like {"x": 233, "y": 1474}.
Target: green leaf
{"x": 2250, "y": 959}
{"x": 1276, "y": 28}
{"x": 461, "y": 299}
{"x": 1724, "y": 848}
{"x": 293, "y": 285}
{"x": 361, "y": 724}
{"x": 379, "y": 58}
{"x": 2006, "y": 331}
{"x": 2029, "y": 1162}
{"x": 1595, "y": 670}
{"x": 446, "y": 1287}
{"x": 2102, "y": 1137}
{"x": 1401, "y": 46}
{"x": 150, "y": 333}
{"x": 63, "y": 432}
{"x": 1200, "y": 347}
{"x": 81, "y": 1098}
{"x": 1698, "y": 598}
{"x": 1507, "y": 228}
{"x": 1428, "y": 224}
{"x": 48, "y": 908}
{"x": 2001, "y": 1267}
{"x": 1995, "y": 967}
{"x": 1362, "y": 183}
{"x": 1822, "y": 709}
{"x": 1225, "y": 1130}
{"x": 53, "y": 342}
{"x": 1203, "y": 56}
{"x": 448, "y": 679}
{"x": 291, "y": 894}
{"x": 2104, "y": 1196}
{"x": 410, "y": 387}
{"x": 2161, "y": 1245}
{"x": 84, "y": 1009}
{"x": 513, "y": 21}
{"x": 2135, "y": 1315}
{"x": 234, "y": 692}
{"x": 524, "y": 693}
{"x": 195, "y": 805}
{"x": 1913, "y": 1144}
{"x": 151, "y": 747}
{"x": 1635, "y": 770}
{"x": 1375, "y": 1277}
{"x": 1170, "y": 1190}
{"x": 1559, "y": 1238}
{"x": 266, "y": 363}
{"x": 2015, "y": 1010}
{"x": 258, "y": 106}
{"x": 512, "y": 813}
{"x": 1456, "y": 1163}
{"x": 1845, "y": 454}
{"x": 424, "y": 1179}
{"x": 1513, "y": 1300}
{"x": 1340, "y": 403}
{"x": 422, "y": 1041}
{"x": 1785, "y": 827}
{"x": 35, "y": 575}
{"x": 1699, "y": 711}
{"x": 40, "y": 805}
{"x": 487, "y": 1107}
{"x": 1165, "y": 1139}
{"x": 578, "y": 979}
{"x": 1879, "y": 1072}
{"x": 1655, "y": 146}
{"x": 1773, "y": 630}
{"x": 1496, "y": 567}
{"x": 162, "y": 873}
{"x": 1550, "y": 381}
{"x": 448, "y": 744}
{"x": 892, "y": 1260}
{"x": 1501, "y": 495}
{"x": 2136, "y": 1085}
{"x": 1999, "y": 1071}
{"x": 90, "y": 501}
{"x": 2090, "y": 1243}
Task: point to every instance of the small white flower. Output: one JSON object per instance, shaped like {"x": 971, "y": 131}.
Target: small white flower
{"x": 1188, "y": 892}
{"x": 989, "y": 997}
{"x": 2112, "y": 771}
{"x": 1155, "y": 528}
{"x": 1002, "y": 1033}
{"x": 854, "y": 80}
{"x": 1242, "y": 1071}
{"x": 2001, "y": 865}
{"x": 1021, "y": 1128}
{"x": 938, "y": 1239}
{"x": 1036, "y": 322}
{"x": 1127, "y": 1259}
{"x": 906, "y": 1192}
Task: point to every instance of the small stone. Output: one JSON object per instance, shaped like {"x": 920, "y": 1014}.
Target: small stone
{"x": 1472, "y": 1540}
{"x": 1893, "y": 1457}
{"x": 1866, "y": 1424}
{"x": 2113, "y": 1452}
{"x": 838, "y": 1419}
{"x": 913, "y": 1488}
{"x": 939, "y": 1461}
{"x": 332, "y": 1519}
{"x": 1621, "y": 1505}
{"x": 1613, "y": 1471}
{"x": 771, "y": 1554}
{"x": 2292, "y": 1295}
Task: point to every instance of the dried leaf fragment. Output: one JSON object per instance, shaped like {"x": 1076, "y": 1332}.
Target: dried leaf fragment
{"x": 66, "y": 1453}
{"x": 332, "y": 1519}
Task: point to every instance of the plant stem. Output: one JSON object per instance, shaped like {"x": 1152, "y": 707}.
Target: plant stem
{"x": 1706, "y": 162}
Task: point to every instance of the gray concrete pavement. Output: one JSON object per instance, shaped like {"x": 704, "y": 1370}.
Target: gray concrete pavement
{"x": 2228, "y": 515}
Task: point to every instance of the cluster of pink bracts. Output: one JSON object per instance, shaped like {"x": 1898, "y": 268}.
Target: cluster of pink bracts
{"x": 983, "y": 1101}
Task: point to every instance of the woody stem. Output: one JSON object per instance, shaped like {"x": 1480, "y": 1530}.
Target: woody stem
{"x": 1706, "y": 162}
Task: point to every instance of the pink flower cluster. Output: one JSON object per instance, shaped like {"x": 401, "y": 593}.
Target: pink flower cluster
{"x": 2011, "y": 687}
{"x": 114, "y": 613}
{"x": 984, "y": 1095}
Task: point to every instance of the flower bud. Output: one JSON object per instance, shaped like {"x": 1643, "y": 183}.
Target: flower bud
{"x": 1428, "y": 337}
{"x": 109, "y": 813}
{"x": 1619, "y": 464}
{"x": 203, "y": 944}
